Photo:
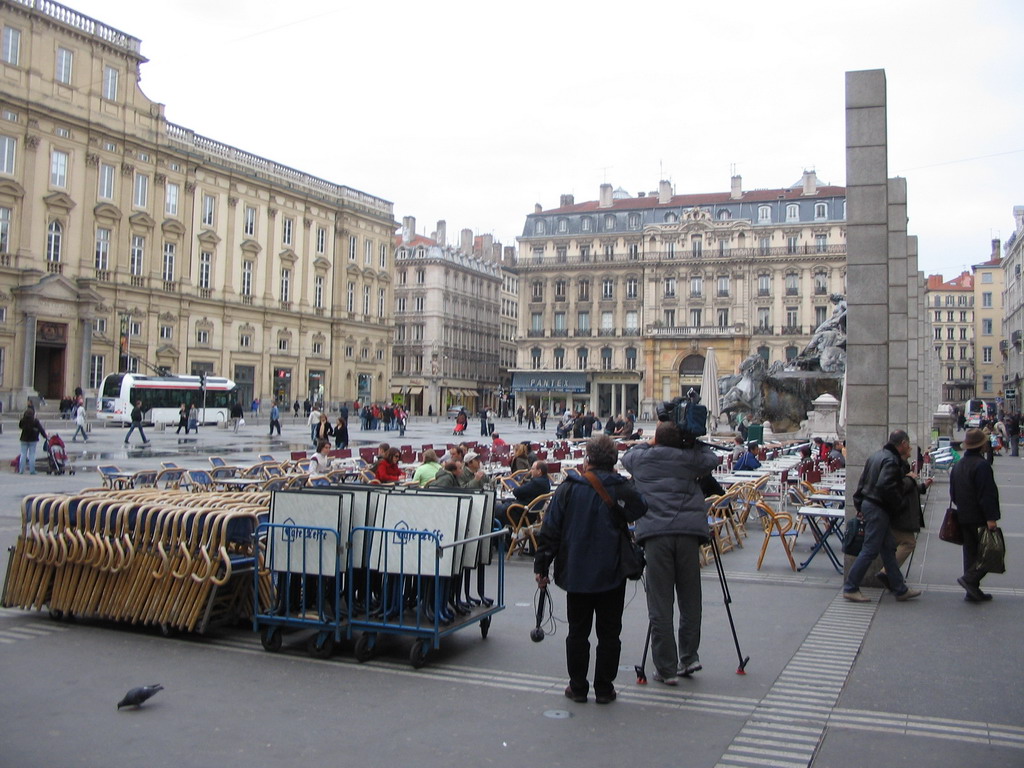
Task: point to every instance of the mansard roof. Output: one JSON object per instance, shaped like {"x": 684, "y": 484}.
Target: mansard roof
{"x": 705, "y": 198}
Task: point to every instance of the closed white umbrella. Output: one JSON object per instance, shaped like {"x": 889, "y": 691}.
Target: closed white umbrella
{"x": 709, "y": 389}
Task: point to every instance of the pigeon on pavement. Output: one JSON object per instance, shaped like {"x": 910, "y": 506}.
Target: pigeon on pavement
{"x": 136, "y": 696}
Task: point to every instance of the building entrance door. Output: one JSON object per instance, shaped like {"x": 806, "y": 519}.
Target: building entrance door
{"x": 50, "y": 362}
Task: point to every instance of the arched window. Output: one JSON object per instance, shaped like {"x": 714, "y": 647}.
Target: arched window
{"x": 764, "y": 353}
{"x": 609, "y": 221}
{"x": 539, "y": 228}
{"x": 692, "y": 365}
{"x": 606, "y": 358}
{"x": 724, "y": 215}
{"x": 793, "y": 212}
{"x": 630, "y": 358}
{"x": 582, "y": 358}
{"x": 820, "y": 211}
{"x": 559, "y": 358}
{"x": 671, "y": 218}
{"x": 54, "y": 236}
{"x": 764, "y": 214}
{"x": 535, "y": 357}
{"x": 791, "y": 353}
{"x": 634, "y": 221}
{"x": 563, "y": 225}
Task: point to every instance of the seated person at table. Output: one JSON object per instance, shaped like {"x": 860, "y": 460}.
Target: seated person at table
{"x": 538, "y": 484}
{"x": 320, "y": 462}
{"x": 738, "y": 448}
{"x": 835, "y": 456}
{"x": 806, "y": 462}
{"x": 428, "y": 470}
{"x": 445, "y": 477}
{"x": 747, "y": 460}
{"x": 455, "y": 453}
{"x": 519, "y": 459}
{"x": 472, "y": 474}
{"x": 387, "y": 470}
{"x": 496, "y": 441}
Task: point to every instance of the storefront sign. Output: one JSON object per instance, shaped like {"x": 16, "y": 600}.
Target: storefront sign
{"x": 547, "y": 381}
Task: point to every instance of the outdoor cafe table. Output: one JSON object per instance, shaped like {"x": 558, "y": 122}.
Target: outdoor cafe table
{"x": 833, "y": 519}
{"x": 238, "y": 483}
{"x": 829, "y": 499}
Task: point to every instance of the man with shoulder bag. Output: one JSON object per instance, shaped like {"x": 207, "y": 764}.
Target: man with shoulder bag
{"x": 581, "y": 536}
{"x": 972, "y": 488}
{"x": 879, "y": 497}
{"x": 909, "y": 521}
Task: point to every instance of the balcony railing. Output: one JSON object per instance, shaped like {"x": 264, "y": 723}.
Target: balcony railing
{"x": 792, "y": 330}
{"x": 138, "y": 281}
{"x": 694, "y": 331}
{"x": 528, "y": 262}
{"x": 583, "y": 333}
{"x": 55, "y": 267}
{"x": 763, "y": 330}
{"x": 630, "y": 331}
{"x": 535, "y": 333}
{"x": 102, "y": 275}
{"x": 558, "y": 332}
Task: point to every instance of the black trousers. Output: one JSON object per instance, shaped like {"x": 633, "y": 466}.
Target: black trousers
{"x": 582, "y": 609}
{"x": 972, "y": 574}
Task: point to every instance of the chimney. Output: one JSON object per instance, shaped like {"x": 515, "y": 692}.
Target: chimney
{"x": 606, "y": 196}
{"x": 537, "y": 208}
{"x": 1018, "y": 217}
{"x": 810, "y": 183}
{"x": 510, "y": 255}
{"x": 995, "y": 248}
{"x": 736, "y": 192}
{"x": 408, "y": 228}
{"x": 664, "y": 192}
{"x": 466, "y": 241}
{"x": 487, "y": 247}
{"x": 565, "y": 201}
{"x": 441, "y": 235}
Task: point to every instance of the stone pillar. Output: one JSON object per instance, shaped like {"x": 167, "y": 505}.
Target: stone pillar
{"x": 28, "y": 365}
{"x": 85, "y": 359}
{"x": 867, "y": 241}
{"x": 899, "y": 331}
{"x": 917, "y": 437}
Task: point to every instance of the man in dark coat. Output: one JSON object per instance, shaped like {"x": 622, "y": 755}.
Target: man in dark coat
{"x": 672, "y": 531}
{"x": 972, "y": 488}
{"x": 136, "y": 418}
{"x": 908, "y": 521}
{"x": 879, "y": 496}
{"x": 581, "y": 535}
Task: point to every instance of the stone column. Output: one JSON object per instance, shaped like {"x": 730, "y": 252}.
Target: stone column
{"x": 28, "y": 363}
{"x": 85, "y": 358}
{"x": 899, "y": 331}
{"x": 867, "y": 239}
{"x": 913, "y": 348}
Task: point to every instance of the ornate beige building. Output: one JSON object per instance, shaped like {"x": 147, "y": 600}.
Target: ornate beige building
{"x": 118, "y": 228}
{"x": 621, "y": 297}
{"x": 447, "y": 327}
{"x": 990, "y": 340}
{"x": 951, "y": 311}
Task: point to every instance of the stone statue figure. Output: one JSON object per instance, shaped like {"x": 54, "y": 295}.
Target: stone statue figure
{"x": 827, "y": 349}
{"x": 741, "y": 393}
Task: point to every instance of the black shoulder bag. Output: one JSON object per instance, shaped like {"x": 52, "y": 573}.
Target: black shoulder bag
{"x": 631, "y": 555}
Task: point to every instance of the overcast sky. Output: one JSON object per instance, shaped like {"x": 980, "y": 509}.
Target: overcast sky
{"x": 473, "y": 112}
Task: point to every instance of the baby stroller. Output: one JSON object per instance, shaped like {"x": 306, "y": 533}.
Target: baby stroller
{"x": 57, "y": 456}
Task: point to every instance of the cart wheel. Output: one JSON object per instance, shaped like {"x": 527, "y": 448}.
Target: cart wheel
{"x": 366, "y": 647}
{"x": 321, "y": 645}
{"x": 418, "y": 654}
{"x": 271, "y": 639}
{"x": 485, "y": 627}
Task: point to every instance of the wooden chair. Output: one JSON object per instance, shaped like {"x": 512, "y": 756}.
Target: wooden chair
{"x": 266, "y": 457}
{"x": 108, "y": 472}
{"x": 525, "y": 520}
{"x": 171, "y": 478}
{"x": 776, "y": 525}
{"x": 510, "y": 482}
{"x": 217, "y": 461}
{"x": 144, "y": 478}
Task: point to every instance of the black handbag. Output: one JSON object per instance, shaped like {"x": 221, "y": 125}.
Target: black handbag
{"x": 950, "y": 528}
{"x": 991, "y": 550}
{"x": 631, "y": 555}
{"x": 853, "y": 536}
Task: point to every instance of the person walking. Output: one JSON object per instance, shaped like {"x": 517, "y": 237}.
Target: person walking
{"x": 531, "y": 418}
{"x": 972, "y": 488}
{"x": 341, "y": 433}
{"x": 907, "y": 524}
{"x": 193, "y": 420}
{"x": 79, "y": 416}
{"x": 137, "y": 424}
{"x": 237, "y": 415}
{"x": 879, "y": 496}
{"x": 31, "y": 430}
{"x": 275, "y": 420}
{"x": 182, "y": 419}
{"x": 1013, "y": 433}
{"x": 581, "y": 537}
{"x": 543, "y": 419}
{"x": 672, "y": 532}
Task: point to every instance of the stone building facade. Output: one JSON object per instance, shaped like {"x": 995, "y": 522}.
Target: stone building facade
{"x": 447, "y": 324}
{"x": 621, "y": 297}
{"x": 989, "y": 337}
{"x": 951, "y": 313}
{"x": 128, "y": 242}
{"x": 1013, "y": 308}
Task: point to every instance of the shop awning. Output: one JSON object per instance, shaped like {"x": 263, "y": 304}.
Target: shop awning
{"x": 415, "y": 390}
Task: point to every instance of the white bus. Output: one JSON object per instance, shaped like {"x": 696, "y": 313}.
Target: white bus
{"x": 162, "y": 396}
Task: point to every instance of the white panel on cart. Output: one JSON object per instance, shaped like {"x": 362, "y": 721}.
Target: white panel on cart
{"x": 299, "y": 549}
{"x": 413, "y": 553}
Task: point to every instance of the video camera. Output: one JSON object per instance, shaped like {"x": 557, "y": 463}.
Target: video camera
{"x": 689, "y": 415}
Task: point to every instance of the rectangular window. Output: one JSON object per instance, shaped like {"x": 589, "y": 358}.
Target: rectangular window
{"x": 670, "y": 318}
{"x": 353, "y": 247}
{"x": 949, "y": 333}
{"x": 202, "y": 337}
{"x": 401, "y": 304}
{"x": 381, "y": 298}
{"x": 723, "y": 285}
{"x": 366, "y": 300}
{"x": 695, "y": 318}
{"x": 95, "y": 371}
{"x": 819, "y": 315}
{"x": 282, "y": 345}
{"x": 8, "y": 146}
{"x": 205, "y": 269}
{"x": 632, "y": 320}
{"x": 986, "y": 327}
{"x": 792, "y": 315}
{"x": 350, "y": 298}
{"x": 138, "y": 252}
{"x": 321, "y": 240}
{"x": 963, "y": 334}
{"x": 418, "y": 303}
{"x": 58, "y": 168}
{"x": 723, "y": 318}
{"x": 65, "y": 62}
{"x": 140, "y": 190}
{"x": 764, "y": 285}
{"x": 383, "y": 255}
{"x": 696, "y": 286}
{"x": 247, "y": 270}
{"x": 10, "y": 51}
{"x": 764, "y": 318}
{"x": 106, "y": 185}
{"x": 560, "y": 322}
{"x": 608, "y": 289}
{"x": 286, "y": 284}
{"x": 171, "y": 199}
{"x": 986, "y": 277}
{"x": 318, "y": 292}
{"x": 166, "y": 332}
{"x": 367, "y": 252}
{"x": 583, "y": 322}
{"x": 536, "y": 323}
{"x": 209, "y": 210}
{"x": 792, "y": 244}
{"x": 168, "y": 264}
{"x": 821, "y": 243}
{"x": 986, "y": 383}
{"x": 986, "y": 299}
{"x": 582, "y": 358}
{"x": 109, "y": 83}
{"x": 286, "y": 231}
{"x": 102, "y": 248}
{"x": 5, "y": 229}
{"x": 249, "y": 226}
{"x": 986, "y": 354}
